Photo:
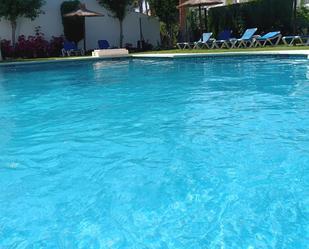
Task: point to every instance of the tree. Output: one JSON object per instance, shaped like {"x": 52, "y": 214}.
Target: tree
{"x": 168, "y": 13}
{"x": 142, "y": 6}
{"x": 138, "y": 4}
{"x": 302, "y": 20}
{"x": 11, "y": 10}
{"x": 119, "y": 9}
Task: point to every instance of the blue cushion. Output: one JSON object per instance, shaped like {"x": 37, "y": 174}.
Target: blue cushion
{"x": 225, "y": 35}
{"x": 103, "y": 44}
{"x": 269, "y": 35}
{"x": 67, "y": 45}
{"x": 206, "y": 37}
{"x": 248, "y": 34}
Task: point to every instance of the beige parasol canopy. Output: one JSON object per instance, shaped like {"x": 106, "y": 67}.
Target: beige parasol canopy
{"x": 200, "y": 4}
{"x": 192, "y": 3}
{"x": 82, "y": 11}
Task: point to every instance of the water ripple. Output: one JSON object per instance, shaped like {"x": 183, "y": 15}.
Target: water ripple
{"x": 188, "y": 153}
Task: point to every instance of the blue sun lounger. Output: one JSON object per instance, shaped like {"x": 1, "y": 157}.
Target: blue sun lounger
{"x": 183, "y": 45}
{"x": 205, "y": 41}
{"x": 223, "y": 39}
{"x": 291, "y": 40}
{"x": 245, "y": 41}
{"x": 271, "y": 38}
{"x": 69, "y": 48}
{"x": 103, "y": 44}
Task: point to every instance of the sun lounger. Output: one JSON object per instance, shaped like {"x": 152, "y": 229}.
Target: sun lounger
{"x": 245, "y": 41}
{"x": 183, "y": 45}
{"x": 69, "y": 49}
{"x": 223, "y": 40}
{"x": 103, "y": 44}
{"x": 295, "y": 40}
{"x": 271, "y": 38}
{"x": 204, "y": 42}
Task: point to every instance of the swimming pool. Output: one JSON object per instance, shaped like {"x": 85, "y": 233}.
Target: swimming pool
{"x": 186, "y": 153}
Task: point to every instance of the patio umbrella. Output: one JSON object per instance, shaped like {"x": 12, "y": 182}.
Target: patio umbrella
{"x": 200, "y": 4}
{"x": 83, "y": 12}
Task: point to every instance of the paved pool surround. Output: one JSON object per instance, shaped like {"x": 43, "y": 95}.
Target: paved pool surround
{"x": 302, "y": 53}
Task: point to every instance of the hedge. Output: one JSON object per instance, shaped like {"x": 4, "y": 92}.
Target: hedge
{"x": 73, "y": 27}
{"x": 266, "y": 15}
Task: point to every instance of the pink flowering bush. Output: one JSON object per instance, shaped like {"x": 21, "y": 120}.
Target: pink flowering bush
{"x": 32, "y": 46}
{"x": 55, "y": 46}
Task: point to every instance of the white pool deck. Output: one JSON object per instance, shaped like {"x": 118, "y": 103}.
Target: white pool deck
{"x": 305, "y": 53}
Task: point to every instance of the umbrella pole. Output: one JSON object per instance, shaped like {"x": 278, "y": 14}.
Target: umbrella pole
{"x": 294, "y": 16}
{"x": 186, "y": 34}
{"x": 205, "y": 16}
{"x": 85, "y": 35}
{"x": 200, "y": 17}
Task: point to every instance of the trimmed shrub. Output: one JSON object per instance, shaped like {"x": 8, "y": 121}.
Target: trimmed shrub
{"x": 193, "y": 26}
{"x": 266, "y": 15}
{"x": 302, "y": 20}
{"x": 73, "y": 27}
{"x": 55, "y": 46}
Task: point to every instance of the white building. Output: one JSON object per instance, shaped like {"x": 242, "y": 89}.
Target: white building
{"x": 97, "y": 28}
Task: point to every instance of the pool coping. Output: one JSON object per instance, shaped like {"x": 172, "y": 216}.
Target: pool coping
{"x": 303, "y": 53}
{"x": 60, "y": 59}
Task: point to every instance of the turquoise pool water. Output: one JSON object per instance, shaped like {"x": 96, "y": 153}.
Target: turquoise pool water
{"x": 175, "y": 154}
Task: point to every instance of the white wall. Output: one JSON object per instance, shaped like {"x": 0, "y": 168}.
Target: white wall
{"x": 97, "y": 28}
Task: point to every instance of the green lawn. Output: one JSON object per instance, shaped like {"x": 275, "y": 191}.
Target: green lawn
{"x": 177, "y": 51}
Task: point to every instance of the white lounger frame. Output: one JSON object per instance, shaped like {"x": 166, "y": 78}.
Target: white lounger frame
{"x": 270, "y": 41}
